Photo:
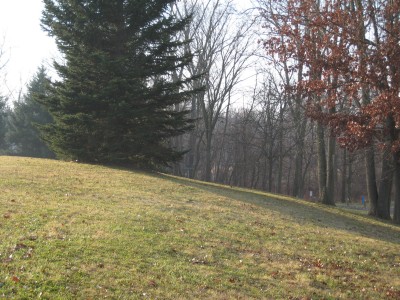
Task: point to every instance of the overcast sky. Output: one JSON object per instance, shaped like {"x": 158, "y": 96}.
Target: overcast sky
{"x": 26, "y": 46}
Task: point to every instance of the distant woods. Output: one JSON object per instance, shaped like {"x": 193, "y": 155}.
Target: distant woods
{"x": 320, "y": 120}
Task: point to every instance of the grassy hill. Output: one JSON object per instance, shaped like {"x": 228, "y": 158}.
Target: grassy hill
{"x": 75, "y": 231}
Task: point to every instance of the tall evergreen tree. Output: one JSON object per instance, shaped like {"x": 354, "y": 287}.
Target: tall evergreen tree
{"x": 22, "y": 134}
{"x": 113, "y": 101}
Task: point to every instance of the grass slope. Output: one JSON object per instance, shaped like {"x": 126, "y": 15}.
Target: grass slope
{"x": 75, "y": 231}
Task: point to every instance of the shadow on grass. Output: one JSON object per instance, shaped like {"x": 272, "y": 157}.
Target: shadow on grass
{"x": 304, "y": 212}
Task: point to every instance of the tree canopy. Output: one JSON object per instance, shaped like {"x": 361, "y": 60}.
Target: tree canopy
{"x": 113, "y": 101}
{"x": 22, "y": 135}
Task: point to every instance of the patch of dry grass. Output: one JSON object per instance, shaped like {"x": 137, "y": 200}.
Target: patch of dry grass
{"x": 75, "y": 231}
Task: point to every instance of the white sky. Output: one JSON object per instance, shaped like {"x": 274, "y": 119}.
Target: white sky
{"x": 26, "y": 46}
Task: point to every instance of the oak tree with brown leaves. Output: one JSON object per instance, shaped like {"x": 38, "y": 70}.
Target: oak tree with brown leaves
{"x": 349, "y": 56}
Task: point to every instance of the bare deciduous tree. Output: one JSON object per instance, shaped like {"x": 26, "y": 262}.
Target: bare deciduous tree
{"x": 221, "y": 45}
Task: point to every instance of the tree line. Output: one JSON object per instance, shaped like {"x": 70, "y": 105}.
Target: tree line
{"x": 163, "y": 87}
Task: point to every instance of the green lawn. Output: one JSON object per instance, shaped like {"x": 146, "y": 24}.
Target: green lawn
{"x": 76, "y": 231}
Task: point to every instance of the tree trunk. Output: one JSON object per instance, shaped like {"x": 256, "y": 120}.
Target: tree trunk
{"x": 280, "y": 164}
{"x": 298, "y": 172}
{"x": 288, "y": 179}
{"x": 298, "y": 184}
{"x": 330, "y": 172}
{"x": 396, "y": 163}
{"x": 224, "y": 138}
{"x": 371, "y": 181}
{"x": 344, "y": 177}
{"x": 270, "y": 173}
{"x": 349, "y": 179}
{"x": 385, "y": 186}
{"x": 280, "y": 175}
{"x": 207, "y": 171}
{"x": 386, "y": 182}
{"x": 264, "y": 172}
{"x": 322, "y": 171}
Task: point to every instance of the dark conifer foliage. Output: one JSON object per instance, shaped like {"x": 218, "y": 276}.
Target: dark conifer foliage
{"x": 113, "y": 102}
{"x": 23, "y": 135}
